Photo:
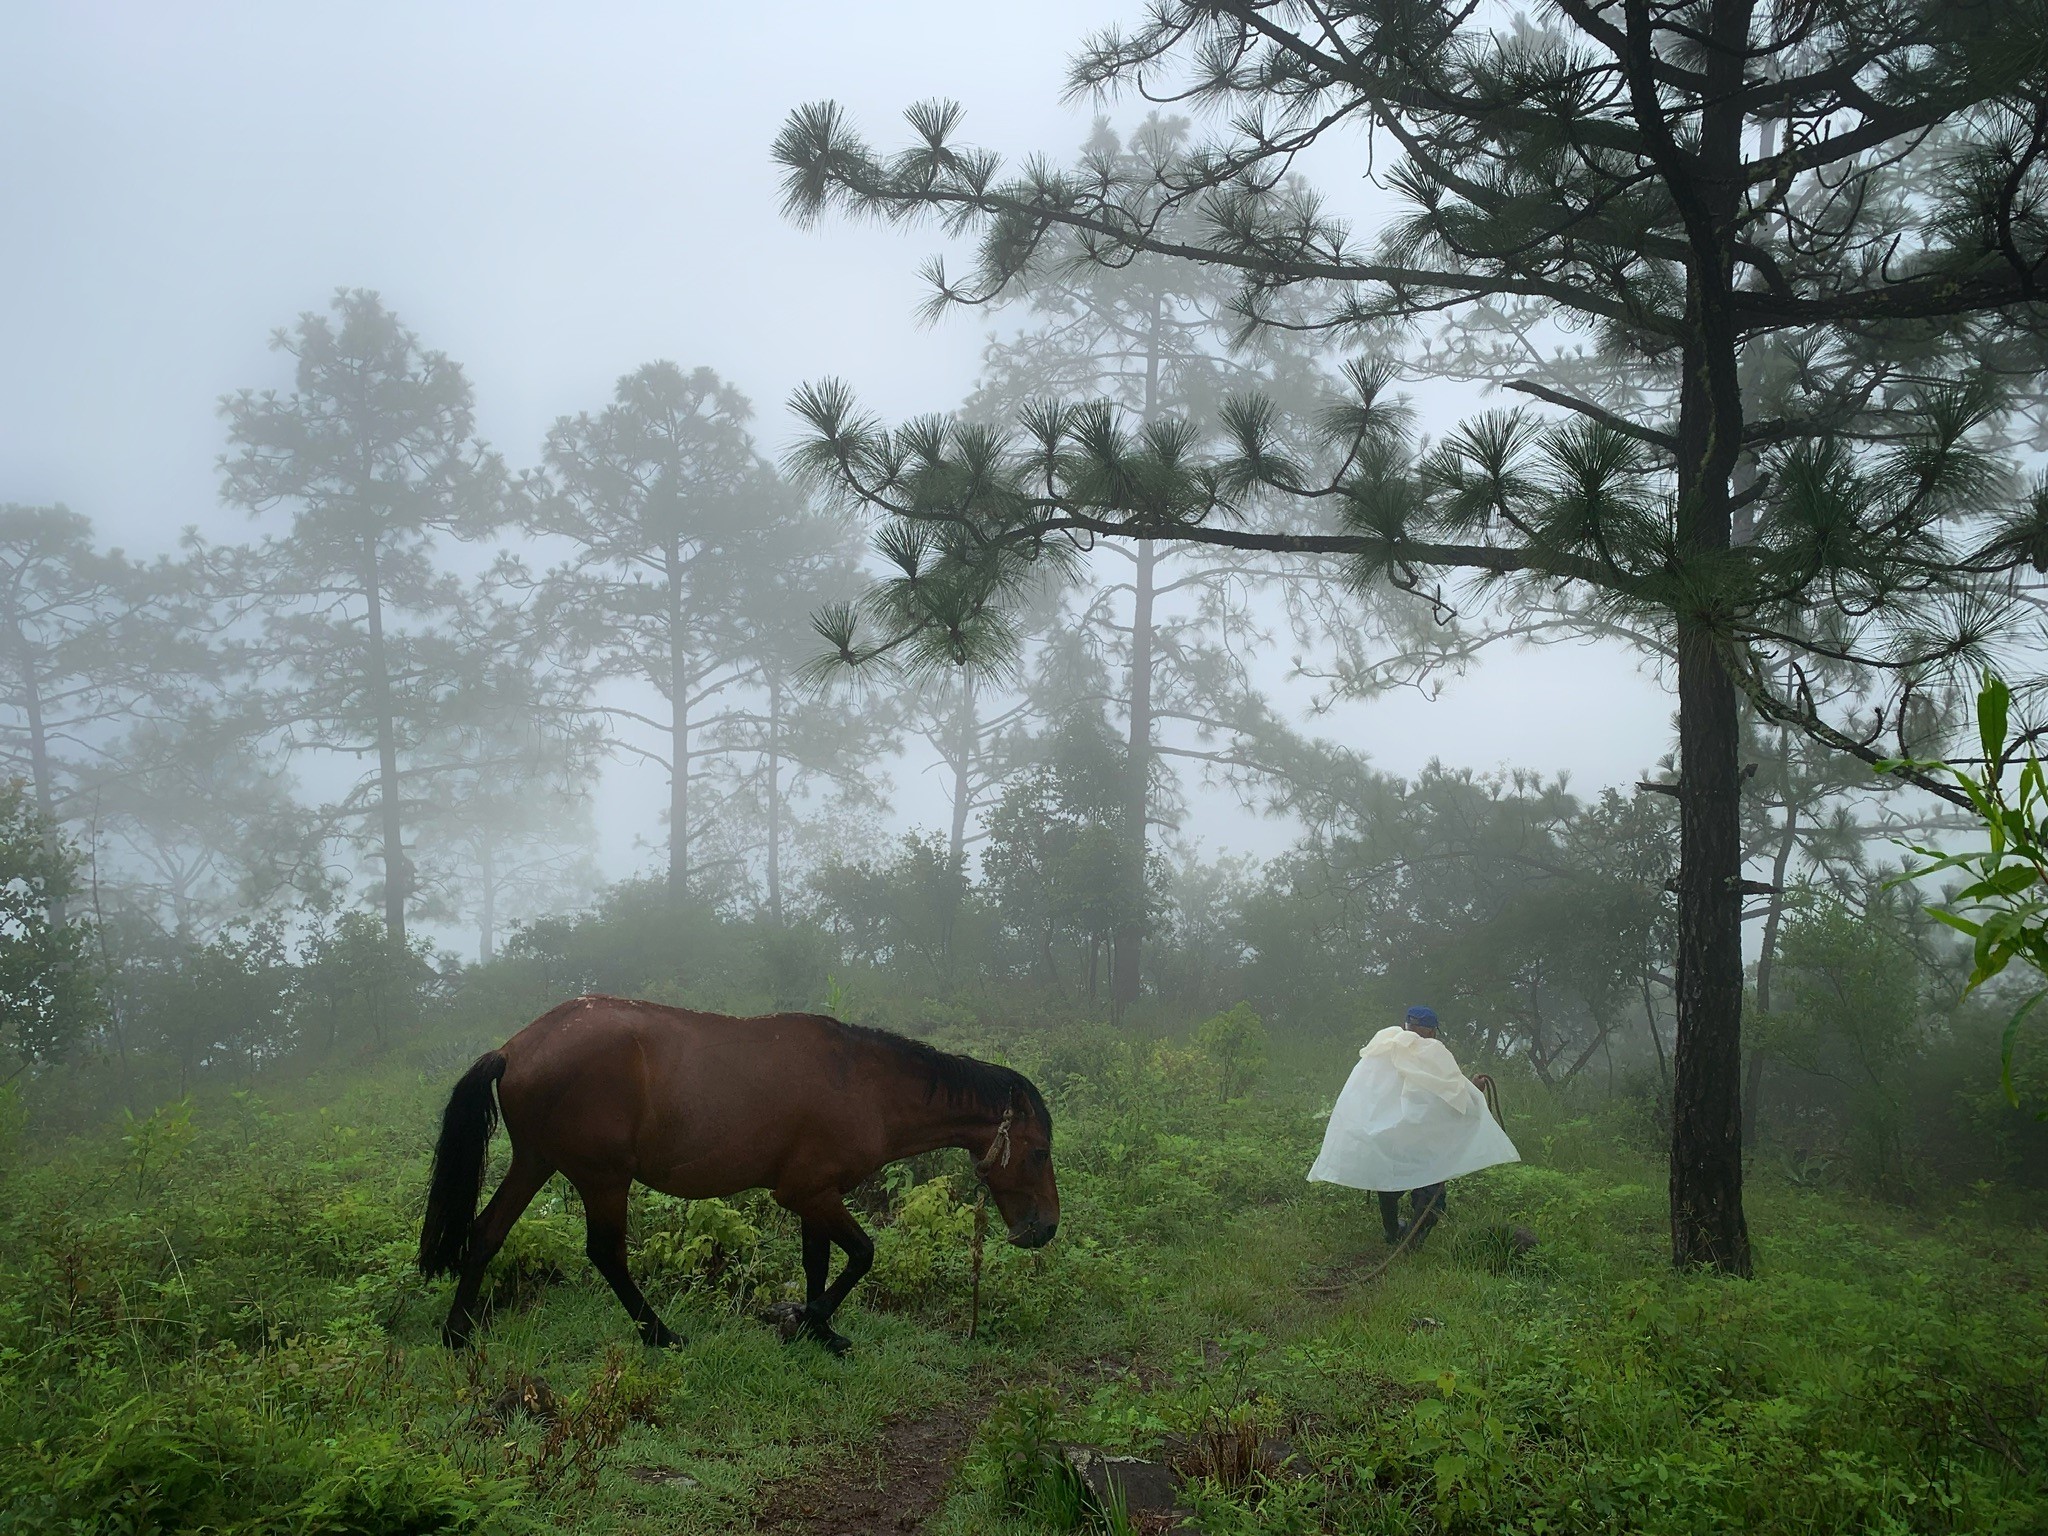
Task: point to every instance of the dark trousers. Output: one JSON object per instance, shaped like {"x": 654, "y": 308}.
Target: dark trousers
{"x": 1425, "y": 1206}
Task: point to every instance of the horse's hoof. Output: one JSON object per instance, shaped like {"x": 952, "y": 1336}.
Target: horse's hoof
{"x": 665, "y": 1340}
{"x": 814, "y": 1333}
{"x": 454, "y": 1338}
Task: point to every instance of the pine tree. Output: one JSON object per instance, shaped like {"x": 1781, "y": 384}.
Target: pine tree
{"x": 95, "y": 643}
{"x": 681, "y": 535}
{"x": 1837, "y": 205}
{"x": 375, "y": 453}
{"x": 1159, "y": 337}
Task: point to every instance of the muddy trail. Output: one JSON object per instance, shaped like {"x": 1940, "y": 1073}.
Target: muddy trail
{"x": 886, "y": 1487}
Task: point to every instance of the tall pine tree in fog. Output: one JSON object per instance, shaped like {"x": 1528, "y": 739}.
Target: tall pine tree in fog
{"x": 509, "y": 761}
{"x": 789, "y": 739}
{"x": 1160, "y": 338}
{"x": 676, "y": 526}
{"x": 94, "y": 642}
{"x": 200, "y": 824}
{"x": 1838, "y": 206}
{"x": 372, "y": 454}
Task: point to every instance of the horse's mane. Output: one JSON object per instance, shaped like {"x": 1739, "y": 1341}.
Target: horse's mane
{"x": 958, "y": 1077}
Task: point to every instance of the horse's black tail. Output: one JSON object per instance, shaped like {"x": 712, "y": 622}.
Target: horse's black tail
{"x": 466, "y": 1127}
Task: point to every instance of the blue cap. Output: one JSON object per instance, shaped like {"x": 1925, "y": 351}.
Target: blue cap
{"x": 1426, "y": 1017}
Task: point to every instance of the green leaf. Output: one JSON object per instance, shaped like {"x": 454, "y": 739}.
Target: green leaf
{"x": 2008, "y": 1043}
{"x": 1960, "y": 924}
{"x": 2009, "y": 881}
{"x": 1994, "y": 703}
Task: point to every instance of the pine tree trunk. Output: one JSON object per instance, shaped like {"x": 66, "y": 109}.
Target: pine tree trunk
{"x": 1127, "y": 939}
{"x": 1766, "y": 960}
{"x": 1707, "y": 1225}
{"x": 775, "y": 800}
{"x": 39, "y": 762}
{"x": 678, "y": 734}
{"x": 391, "y": 817}
{"x": 487, "y": 917}
{"x": 965, "y": 741}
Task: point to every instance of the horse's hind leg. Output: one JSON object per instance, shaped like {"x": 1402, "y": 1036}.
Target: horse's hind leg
{"x": 604, "y": 1210}
{"x": 523, "y": 1180}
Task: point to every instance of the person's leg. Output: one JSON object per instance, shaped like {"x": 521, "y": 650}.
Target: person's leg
{"x": 1427, "y": 1208}
{"x": 1390, "y": 1213}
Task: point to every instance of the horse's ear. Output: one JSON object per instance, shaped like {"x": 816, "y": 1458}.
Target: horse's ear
{"x": 1024, "y": 1103}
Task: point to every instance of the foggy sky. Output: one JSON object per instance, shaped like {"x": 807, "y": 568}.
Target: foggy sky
{"x": 553, "y": 195}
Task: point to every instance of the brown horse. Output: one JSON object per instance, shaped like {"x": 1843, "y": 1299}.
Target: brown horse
{"x": 606, "y": 1091}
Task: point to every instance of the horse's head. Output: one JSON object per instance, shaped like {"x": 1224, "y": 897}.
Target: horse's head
{"x": 1017, "y": 1167}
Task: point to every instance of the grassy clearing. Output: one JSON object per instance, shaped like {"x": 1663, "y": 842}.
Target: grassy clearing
{"x": 211, "y": 1323}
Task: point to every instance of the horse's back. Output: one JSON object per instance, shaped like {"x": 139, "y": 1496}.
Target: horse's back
{"x": 693, "y": 1103}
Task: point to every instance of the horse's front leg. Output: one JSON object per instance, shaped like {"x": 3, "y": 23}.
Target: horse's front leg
{"x": 817, "y": 1262}
{"x": 827, "y": 1224}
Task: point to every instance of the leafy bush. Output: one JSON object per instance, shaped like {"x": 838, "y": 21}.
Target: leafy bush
{"x": 1016, "y": 1462}
{"x": 924, "y": 1254}
{"x": 709, "y": 1246}
{"x": 1236, "y": 1043}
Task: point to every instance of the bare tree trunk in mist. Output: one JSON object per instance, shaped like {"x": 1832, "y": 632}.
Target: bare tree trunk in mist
{"x": 1126, "y": 951}
{"x": 1656, "y": 1035}
{"x": 964, "y": 734}
{"x": 775, "y": 800}
{"x": 487, "y": 916}
{"x": 1788, "y": 837}
{"x": 1127, "y": 942}
{"x": 679, "y": 734}
{"x": 39, "y": 759}
{"x": 397, "y": 872}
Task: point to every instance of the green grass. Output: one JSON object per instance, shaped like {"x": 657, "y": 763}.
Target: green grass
{"x": 215, "y": 1327}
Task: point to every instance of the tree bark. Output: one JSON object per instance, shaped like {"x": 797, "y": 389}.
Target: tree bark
{"x": 391, "y": 816}
{"x": 1707, "y": 1223}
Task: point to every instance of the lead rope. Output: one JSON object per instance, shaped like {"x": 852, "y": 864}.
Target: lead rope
{"x": 997, "y": 1156}
{"x": 980, "y": 1228}
{"x": 1492, "y": 1094}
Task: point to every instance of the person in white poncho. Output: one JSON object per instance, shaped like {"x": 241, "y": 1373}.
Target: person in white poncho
{"x": 1409, "y": 1121}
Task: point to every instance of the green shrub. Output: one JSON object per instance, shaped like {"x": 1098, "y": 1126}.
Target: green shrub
{"x": 709, "y": 1246}
{"x": 1235, "y": 1042}
{"x": 924, "y": 1254}
{"x": 1016, "y": 1461}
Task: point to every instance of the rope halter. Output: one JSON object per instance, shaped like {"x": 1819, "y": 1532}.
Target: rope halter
{"x": 998, "y": 1153}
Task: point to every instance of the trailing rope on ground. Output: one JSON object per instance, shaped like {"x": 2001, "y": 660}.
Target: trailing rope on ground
{"x": 1420, "y": 1223}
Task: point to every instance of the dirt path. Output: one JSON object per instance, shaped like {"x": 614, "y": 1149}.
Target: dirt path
{"x": 885, "y": 1488}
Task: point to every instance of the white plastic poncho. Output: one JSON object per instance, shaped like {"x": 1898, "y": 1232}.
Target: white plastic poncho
{"x": 1408, "y": 1118}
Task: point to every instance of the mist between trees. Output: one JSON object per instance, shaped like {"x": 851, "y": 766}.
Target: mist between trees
{"x": 1774, "y": 333}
